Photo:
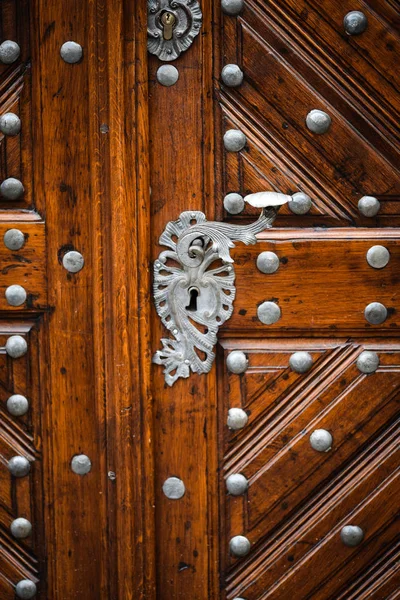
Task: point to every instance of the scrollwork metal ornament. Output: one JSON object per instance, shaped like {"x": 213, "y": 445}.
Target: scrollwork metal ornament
{"x": 194, "y": 284}
{"x": 187, "y": 18}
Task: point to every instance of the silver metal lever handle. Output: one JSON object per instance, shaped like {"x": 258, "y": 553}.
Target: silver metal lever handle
{"x": 194, "y": 283}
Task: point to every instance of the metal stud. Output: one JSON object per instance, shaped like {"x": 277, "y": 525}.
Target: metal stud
{"x": 301, "y": 362}
{"x": 16, "y": 346}
{"x": 81, "y": 464}
{"x": 369, "y": 206}
{"x": 355, "y": 22}
{"x": 237, "y": 484}
{"x": 21, "y": 528}
{"x": 71, "y": 52}
{"x": 10, "y": 124}
{"x": 351, "y": 535}
{"x": 233, "y": 203}
{"x": 232, "y": 7}
{"x": 17, "y": 405}
{"x": 269, "y": 313}
{"x": 232, "y": 75}
{"x": 376, "y": 313}
{"x": 378, "y": 257}
{"x": 73, "y": 261}
{"x": 300, "y": 203}
{"x": 167, "y": 75}
{"x": 321, "y": 440}
{"x": 237, "y": 362}
{"x": 15, "y": 295}
{"x": 237, "y": 419}
{"x": 9, "y": 52}
{"x": 25, "y": 589}
{"x": 19, "y": 466}
{"x": 174, "y": 488}
{"x": 234, "y": 140}
{"x": 239, "y": 546}
{"x": 11, "y": 189}
{"x": 318, "y": 121}
{"x": 14, "y": 239}
{"x": 368, "y": 362}
{"x": 267, "y": 262}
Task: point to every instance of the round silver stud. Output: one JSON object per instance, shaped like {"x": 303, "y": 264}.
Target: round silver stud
{"x": 16, "y": 346}
{"x": 233, "y": 203}
{"x": 239, "y": 545}
{"x": 234, "y": 140}
{"x": 237, "y": 362}
{"x": 232, "y": 75}
{"x": 355, "y": 22}
{"x": 237, "y": 484}
{"x": 17, "y": 405}
{"x": 267, "y": 262}
{"x": 10, "y": 124}
{"x": 21, "y": 528}
{"x": 378, "y": 257}
{"x": 237, "y": 418}
{"x": 19, "y": 466}
{"x": 376, "y": 313}
{"x": 351, "y": 535}
{"x": 368, "y": 362}
{"x": 9, "y": 52}
{"x": 71, "y": 52}
{"x": 269, "y": 313}
{"x": 232, "y": 7}
{"x": 14, "y": 239}
{"x": 174, "y": 488}
{"x": 318, "y": 121}
{"x": 369, "y": 206}
{"x": 11, "y": 189}
{"x": 73, "y": 261}
{"x": 301, "y": 362}
{"x": 321, "y": 440}
{"x": 300, "y": 203}
{"x": 81, "y": 464}
{"x": 25, "y": 589}
{"x": 167, "y": 75}
{"x": 15, "y": 295}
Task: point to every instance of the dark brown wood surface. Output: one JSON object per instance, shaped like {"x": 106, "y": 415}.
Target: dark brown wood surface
{"x": 107, "y": 157}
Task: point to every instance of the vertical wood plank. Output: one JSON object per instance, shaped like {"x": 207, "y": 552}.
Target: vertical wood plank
{"x": 181, "y": 142}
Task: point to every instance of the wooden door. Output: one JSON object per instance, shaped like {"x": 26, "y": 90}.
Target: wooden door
{"x": 129, "y": 488}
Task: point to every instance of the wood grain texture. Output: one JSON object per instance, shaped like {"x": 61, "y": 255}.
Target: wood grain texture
{"x": 297, "y": 497}
{"x": 22, "y": 436}
{"x": 108, "y": 156}
{"x": 16, "y": 153}
{"x": 181, "y": 168}
{"x": 312, "y": 283}
{"x": 296, "y": 58}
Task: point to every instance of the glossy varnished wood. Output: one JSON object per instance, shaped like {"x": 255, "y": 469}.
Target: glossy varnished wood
{"x": 107, "y": 157}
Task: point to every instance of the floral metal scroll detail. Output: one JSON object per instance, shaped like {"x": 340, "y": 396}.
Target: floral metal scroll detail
{"x": 188, "y": 20}
{"x": 194, "y": 288}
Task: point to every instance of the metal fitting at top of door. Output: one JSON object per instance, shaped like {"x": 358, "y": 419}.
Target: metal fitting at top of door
{"x": 172, "y": 26}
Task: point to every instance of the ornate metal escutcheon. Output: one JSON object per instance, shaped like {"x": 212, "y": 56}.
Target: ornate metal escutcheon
{"x": 172, "y": 26}
{"x": 194, "y": 283}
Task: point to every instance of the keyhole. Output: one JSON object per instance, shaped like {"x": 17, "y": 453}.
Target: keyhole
{"x": 194, "y": 294}
{"x": 168, "y": 21}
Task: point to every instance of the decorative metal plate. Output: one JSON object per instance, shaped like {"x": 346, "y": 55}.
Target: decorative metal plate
{"x": 187, "y": 17}
{"x": 194, "y": 288}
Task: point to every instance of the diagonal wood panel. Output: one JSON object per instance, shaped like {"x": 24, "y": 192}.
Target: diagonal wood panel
{"x": 296, "y": 58}
{"x": 298, "y": 499}
{"x": 20, "y": 436}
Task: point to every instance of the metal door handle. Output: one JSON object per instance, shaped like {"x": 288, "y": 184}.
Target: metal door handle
{"x": 194, "y": 283}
